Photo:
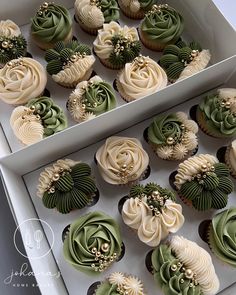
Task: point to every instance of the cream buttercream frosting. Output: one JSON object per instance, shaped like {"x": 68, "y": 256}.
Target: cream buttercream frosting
{"x": 133, "y": 5}
{"x": 22, "y": 79}
{"x": 9, "y": 29}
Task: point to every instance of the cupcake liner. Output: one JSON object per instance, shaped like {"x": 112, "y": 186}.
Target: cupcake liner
{"x": 74, "y": 84}
{"x": 203, "y": 229}
{"x": 148, "y": 262}
{"x": 127, "y": 12}
{"x": 150, "y": 44}
{"x": 88, "y": 30}
{"x": 185, "y": 201}
{"x": 92, "y": 290}
{"x": 227, "y": 161}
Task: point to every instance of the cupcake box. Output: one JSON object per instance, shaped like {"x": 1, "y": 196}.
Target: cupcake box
{"x": 21, "y": 166}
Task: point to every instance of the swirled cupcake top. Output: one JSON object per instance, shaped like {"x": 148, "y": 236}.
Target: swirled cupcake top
{"x": 136, "y": 5}
{"x": 66, "y": 185}
{"x": 140, "y": 78}
{"x": 222, "y": 236}
{"x": 151, "y": 211}
{"x": 119, "y": 283}
{"x": 219, "y": 111}
{"x": 93, "y": 243}
{"x": 121, "y": 160}
{"x": 184, "y": 268}
{"x": 173, "y": 136}
{"x": 91, "y": 98}
{"x": 94, "y": 13}
{"x": 22, "y": 79}
{"x": 9, "y": 29}
{"x": 163, "y": 24}
{"x": 51, "y": 23}
{"x": 117, "y": 44}
{"x": 204, "y": 181}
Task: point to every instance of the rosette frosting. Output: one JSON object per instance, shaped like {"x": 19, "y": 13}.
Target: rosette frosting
{"x": 204, "y": 182}
{"x": 184, "y": 268}
{"x": 121, "y": 160}
{"x": 140, "y": 78}
{"x": 22, "y": 79}
{"x": 222, "y": 236}
{"x": 93, "y": 243}
{"x": 217, "y": 112}
{"x": 90, "y": 99}
{"x": 151, "y": 211}
{"x": 9, "y": 29}
{"x": 66, "y": 185}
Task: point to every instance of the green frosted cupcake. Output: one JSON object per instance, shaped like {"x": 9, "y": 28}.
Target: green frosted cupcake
{"x": 90, "y": 99}
{"x": 203, "y": 183}
{"x": 162, "y": 26}
{"x": 51, "y": 23}
{"x": 69, "y": 63}
{"x": 93, "y": 243}
{"x": 216, "y": 114}
{"x": 136, "y": 9}
{"x": 66, "y": 185}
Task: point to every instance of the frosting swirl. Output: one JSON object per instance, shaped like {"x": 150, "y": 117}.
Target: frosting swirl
{"x": 121, "y": 160}
{"x": 94, "y": 235}
{"x": 22, "y": 79}
{"x": 9, "y": 29}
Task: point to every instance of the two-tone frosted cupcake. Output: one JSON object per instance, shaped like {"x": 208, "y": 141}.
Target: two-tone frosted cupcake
{"x": 136, "y": 9}
{"x": 181, "y": 61}
{"x": 21, "y": 80}
{"x": 115, "y": 45}
{"x": 230, "y": 158}
{"x": 12, "y": 43}
{"x": 162, "y": 25}
{"x": 69, "y": 63}
{"x": 152, "y": 212}
{"x": 93, "y": 243}
{"x": 122, "y": 160}
{"x": 203, "y": 183}
{"x": 173, "y": 136}
{"x": 93, "y": 14}
{"x": 40, "y": 118}
{"x": 182, "y": 267}
{"x": 216, "y": 114}
{"x": 90, "y": 99}
{"x": 140, "y": 78}
{"x": 51, "y": 23}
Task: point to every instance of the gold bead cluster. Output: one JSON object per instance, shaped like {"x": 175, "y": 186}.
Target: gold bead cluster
{"x": 188, "y": 273}
{"x": 192, "y": 55}
{"x": 73, "y": 58}
{"x": 15, "y": 63}
{"x": 229, "y": 104}
{"x": 50, "y": 188}
{"x": 124, "y": 173}
{"x": 96, "y": 3}
{"x": 30, "y": 111}
{"x": 206, "y": 169}
{"x": 123, "y": 43}
{"x": 155, "y": 202}
{"x": 173, "y": 140}
{"x": 140, "y": 62}
{"x": 157, "y": 9}
{"x": 44, "y": 7}
{"x": 6, "y": 44}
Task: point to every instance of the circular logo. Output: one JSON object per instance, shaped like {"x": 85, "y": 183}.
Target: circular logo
{"x": 35, "y": 244}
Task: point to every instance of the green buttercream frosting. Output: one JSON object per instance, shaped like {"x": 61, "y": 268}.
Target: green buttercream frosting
{"x": 93, "y": 243}
{"x": 169, "y": 275}
{"x": 222, "y": 237}
{"x": 107, "y": 288}
{"x": 218, "y": 117}
{"x": 52, "y": 116}
{"x": 73, "y": 190}
{"x": 51, "y": 23}
{"x": 12, "y": 48}
{"x": 146, "y": 4}
{"x": 163, "y": 24}
{"x": 64, "y": 53}
{"x": 110, "y": 10}
{"x": 209, "y": 190}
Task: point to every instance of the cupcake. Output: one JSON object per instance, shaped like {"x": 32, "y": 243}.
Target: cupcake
{"x": 116, "y": 45}
{"x": 93, "y": 243}
{"x": 21, "y": 80}
{"x": 136, "y": 9}
{"x": 119, "y": 283}
{"x": 12, "y": 44}
{"x": 90, "y": 99}
{"x": 203, "y": 182}
{"x": 69, "y": 63}
{"x": 222, "y": 238}
{"x": 230, "y": 158}
{"x": 216, "y": 114}
{"x": 173, "y": 136}
{"x": 182, "y": 267}
{"x": 181, "y": 60}
{"x": 152, "y": 212}
{"x": 92, "y": 14}
{"x": 122, "y": 160}
{"x": 162, "y": 26}
{"x": 51, "y": 23}
{"x": 66, "y": 185}
{"x": 40, "y": 118}
{"x": 141, "y": 77}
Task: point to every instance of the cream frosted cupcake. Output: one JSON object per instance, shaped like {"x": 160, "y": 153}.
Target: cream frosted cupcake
{"x": 136, "y": 9}
{"x": 69, "y": 63}
{"x": 115, "y": 45}
{"x": 122, "y": 160}
{"x": 92, "y": 14}
{"x": 230, "y": 158}
{"x": 21, "y": 80}
{"x": 140, "y": 78}
{"x": 90, "y": 99}
{"x": 152, "y": 212}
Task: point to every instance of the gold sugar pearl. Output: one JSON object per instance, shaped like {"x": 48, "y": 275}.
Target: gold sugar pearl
{"x": 170, "y": 140}
{"x": 188, "y": 273}
{"x": 105, "y": 247}
{"x": 5, "y": 44}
